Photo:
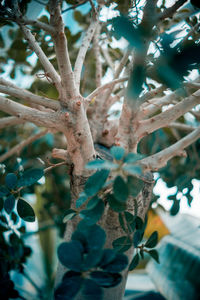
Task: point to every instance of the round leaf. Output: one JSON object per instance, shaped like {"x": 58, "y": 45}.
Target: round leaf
{"x": 92, "y": 216}
{"x": 11, "y": 180}
{"x": 70, "y": 255}
{"x": 25, "y": 211}
{"x": 30, "y": 177}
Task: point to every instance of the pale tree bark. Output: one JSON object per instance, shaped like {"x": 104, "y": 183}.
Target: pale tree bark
{"x": 84, "y": 121}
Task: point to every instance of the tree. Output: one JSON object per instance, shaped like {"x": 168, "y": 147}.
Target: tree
{"x": 69, "y": 99}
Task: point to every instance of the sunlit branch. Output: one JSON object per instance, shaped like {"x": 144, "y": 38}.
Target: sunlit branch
{"x": 48, "y": 67}
{"x": 160, "y": 159}
{"x": 97, "y": 55}
{"x": 29, "y": 97}
{"x": 173, "y": 113}
{"x": 19, "y": 147}
{"x": 108, "y": 58}
{"x": 60, "y": 42}
{"x": 28, "y": 114}
{"x": 104, "y": 87}
{"x": 83, "y": 50}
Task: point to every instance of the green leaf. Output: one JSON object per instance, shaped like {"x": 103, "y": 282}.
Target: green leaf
{"x": 92, "y": 216}
{"x": 175, "y": 208}
{"x": 106, "y": 279}
{"x": 93, "y": 236}
{"x": 154, "y": 254}
{"x": 122, "y": 244}
{"x": 114, "y": 204}
{"x": 9, "y": 203}
{"x": 81, "y": 200}
{"x": 101, "y": 164}
{"x": 1, "y": 204}
{"x": 136, "y": 81}
{"x": 70, "y": 213}
{"x": 70, "y": 255}
{"x": 134, "y": 262}
{"x": 118, "y": 264}
{"x": 91, "y": 259}
{"x": 137, "y": 238}
{"x": 25, "y": 211}
{"x": 3, "y": 228}
{"x": 107, "y": 256}
{"x": 91, "y": 290}
{"x": 117, "y": 152}
{"x": 3, "y": 191}
{"x": 133, "y": 169}
{"x": 96, "y": 182}
{"x": 93, "y": 202}
{"x": 152, "y": 240}
{"x": 124, "y": 28}
{"x": 120, "y": 189}
{"x": 139, "y": 223}
{"x": 30, "y": 177}
{"x": 135, "y": 185}
{"x": 132, "y": 157}
{"x": 69, "y": 287}
{"x": 11, "y": 181}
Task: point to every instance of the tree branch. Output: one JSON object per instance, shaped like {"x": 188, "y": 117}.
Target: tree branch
{"x": 69, "y": 90}
{"x": 83, "y": 50}
{"x": 18, "y": 148}
{"x": 182, "y": 126}
{"x": 48, "y": 67}
{"x": 30, "y": 97}
{"x": 169, "y": 12}
{"x": 97, "y": 56}
{"x": 160, "y": 159}
{"x": 41, "y": 25}
{"x": 10, "y": 121}
{"x": 168, "y": 116}
{"x": 25, "y": 113}
{"x": 104, "y": 87}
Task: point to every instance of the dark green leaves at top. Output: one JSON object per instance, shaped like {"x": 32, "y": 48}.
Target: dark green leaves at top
{"x": 120, "y": 189}
{"x": 175, "y": 207}
{"x": 30, "y": 177}
{"x": 11, "y": 181}
{"x": 117, "y": 152}
{"x": 25, "y": 211}
{"x": 152, "y": 240}
{"x": 96, "y": 182}
{"x": 123, "y": 27}
{"x": 9, "y": 203}
{"x": 70, "y": 255}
